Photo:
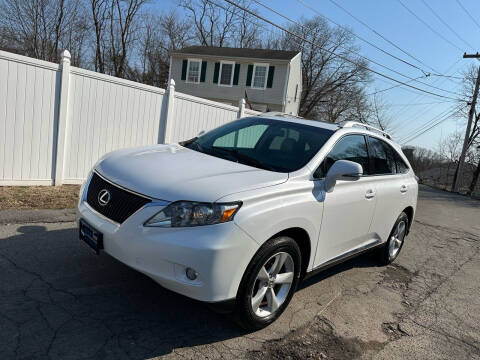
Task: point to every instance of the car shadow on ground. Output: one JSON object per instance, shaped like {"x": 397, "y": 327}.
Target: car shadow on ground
{"x": 366, "y": 260}
{"x": 60, "y": 300}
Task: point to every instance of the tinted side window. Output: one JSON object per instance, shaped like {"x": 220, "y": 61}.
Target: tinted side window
{"x": 352, "y": 147}
{"x": 382, "y": 157}
{"x": 402, "y": 168}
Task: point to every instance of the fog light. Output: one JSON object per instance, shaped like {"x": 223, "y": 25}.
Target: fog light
{"x": 191, "y": 274}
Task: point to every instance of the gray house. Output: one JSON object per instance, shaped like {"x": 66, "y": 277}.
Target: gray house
{"x": 271, "y": 80}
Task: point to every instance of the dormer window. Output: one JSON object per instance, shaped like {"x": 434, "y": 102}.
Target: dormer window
{"x": 260, "y": 72}
{"x": 193, "y": 73}
{"x": 226, "y": 73}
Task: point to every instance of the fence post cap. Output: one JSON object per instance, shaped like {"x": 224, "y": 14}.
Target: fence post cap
{"x": 172, "y": 83}
{"x": 66, "y": 56}
{"x": 242, "y": 101}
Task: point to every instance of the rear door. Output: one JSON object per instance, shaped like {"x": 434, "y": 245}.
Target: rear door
{"x": 392, "y": 185}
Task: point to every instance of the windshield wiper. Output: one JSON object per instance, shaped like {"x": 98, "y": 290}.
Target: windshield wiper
{"x": 199, "y": 147}
{"x": 194, "y": 142}
{"x": 245, "y": 159}
{"x": 188, "y": 142}
{"x": 231, "y": 154}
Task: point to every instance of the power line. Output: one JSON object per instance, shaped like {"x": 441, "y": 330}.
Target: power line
{"x": 430, "y": 128}
{"x": 333, "y": 53}
{"x": 414, "y": 131}
{"x": 468, "y": 13}
{"x": 425, "y": 103}
{"x": 345, "y": 59}
{"x": 407, "y": 89}
{"x": 426, "y": 130}
{"x": 253, "y": 23}
{"x": 358, "y": 36}
{"x": 418, "y": 97}
{"x": 448, "y": 76}
{"x": 392, "y": 87}
{"x": 370, "y": 43}
{"x": 428, "y": 26}
{"x": 420, "y": 130}
{"x": 380, "y": 35}
{"x": 446, "y": 24}
{"x": 417, "y": 114}
{"x": 339, "y": 56}
{"x": 373, "y": 45}
{"x": 453, "y": 109}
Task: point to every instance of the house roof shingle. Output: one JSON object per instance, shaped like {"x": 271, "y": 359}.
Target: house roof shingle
{"x": 237, "y": 52}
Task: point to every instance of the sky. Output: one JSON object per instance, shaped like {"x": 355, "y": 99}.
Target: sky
{"x": 439, "y": 51}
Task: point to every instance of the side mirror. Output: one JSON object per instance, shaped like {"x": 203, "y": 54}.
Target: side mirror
{"x": 201, "y": 133}
{"x": 342, "y": 169}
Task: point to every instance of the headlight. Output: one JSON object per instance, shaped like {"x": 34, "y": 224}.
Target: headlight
{"x": 189, "y": 213}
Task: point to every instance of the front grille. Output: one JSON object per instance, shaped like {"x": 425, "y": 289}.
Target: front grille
{"x": 121, "y": 205}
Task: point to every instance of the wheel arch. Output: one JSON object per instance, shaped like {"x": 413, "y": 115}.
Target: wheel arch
{"x": 302, "y": 238}
{"x": 410, "y": 212}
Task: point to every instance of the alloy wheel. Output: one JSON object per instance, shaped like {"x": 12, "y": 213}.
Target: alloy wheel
{"x": 272, "y": 285}
{"x": 396, "y": 240}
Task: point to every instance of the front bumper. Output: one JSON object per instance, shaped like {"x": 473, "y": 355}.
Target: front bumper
{"x": 218, "y": 253}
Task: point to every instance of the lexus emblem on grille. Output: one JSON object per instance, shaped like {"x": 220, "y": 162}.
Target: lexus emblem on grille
{"x": 104, "y": 197}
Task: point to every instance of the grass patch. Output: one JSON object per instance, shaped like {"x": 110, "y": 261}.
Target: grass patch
{"x": 39, "y": 197}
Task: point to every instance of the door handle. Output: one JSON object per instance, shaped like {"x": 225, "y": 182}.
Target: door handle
{"x": 370, "y": 194}
{"x": 403, "y": 188}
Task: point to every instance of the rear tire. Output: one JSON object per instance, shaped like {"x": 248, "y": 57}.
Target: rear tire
{"x": 268, "y": 284}
{"x": 396, "y": 239}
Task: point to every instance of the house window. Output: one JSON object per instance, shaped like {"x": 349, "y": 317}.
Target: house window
{"x": 226, "y": 73}
{"x": 193, "y": 73}
{"x": 260, "y": 76}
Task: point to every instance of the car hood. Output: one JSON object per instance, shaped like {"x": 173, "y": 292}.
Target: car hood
{"x": 173, "y": 172}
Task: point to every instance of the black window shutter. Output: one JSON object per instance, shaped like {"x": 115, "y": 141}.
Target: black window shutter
{"x": 271, "y": 71}
{"x": 249, "y": 75}
{"x": 215, "y": 72}
{"x": 204, "y": 70}
{"x": 236, "y": 74}
{"x": 184, "y": 69}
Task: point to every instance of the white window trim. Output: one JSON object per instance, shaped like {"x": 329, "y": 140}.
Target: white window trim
{"x": 220, "y": 73}
{"x": 199, "y": 71}
{"x": 266, "y": 75}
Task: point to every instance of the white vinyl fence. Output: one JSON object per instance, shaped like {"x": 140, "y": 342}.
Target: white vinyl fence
{"x": 57, "y": 120}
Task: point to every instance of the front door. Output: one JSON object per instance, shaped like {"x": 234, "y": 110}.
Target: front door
{"x": 349, "y": 208}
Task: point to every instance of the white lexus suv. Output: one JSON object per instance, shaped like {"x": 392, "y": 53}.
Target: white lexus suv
{"x": 242, "y": 213}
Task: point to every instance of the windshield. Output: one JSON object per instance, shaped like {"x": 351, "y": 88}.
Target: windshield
{"x": 274, "y": 145}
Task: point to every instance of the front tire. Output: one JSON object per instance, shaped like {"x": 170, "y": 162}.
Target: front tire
{"x": 395, "y": 241}
{"x": 268, "y": 284}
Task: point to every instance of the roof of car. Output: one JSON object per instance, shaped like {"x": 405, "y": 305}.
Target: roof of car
{"x": 298, "y": 120}
{"x": 322, "y": 124}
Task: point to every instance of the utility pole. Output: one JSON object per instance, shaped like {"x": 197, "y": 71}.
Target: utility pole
{"x": 458, "y": 173}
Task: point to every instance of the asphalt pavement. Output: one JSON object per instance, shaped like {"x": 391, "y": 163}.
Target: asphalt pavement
{"x": 58, "y": 300}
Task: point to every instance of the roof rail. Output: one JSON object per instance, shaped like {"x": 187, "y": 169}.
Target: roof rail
{"x": 348, "y": 124}
{"x": 280, "y": 113}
